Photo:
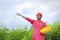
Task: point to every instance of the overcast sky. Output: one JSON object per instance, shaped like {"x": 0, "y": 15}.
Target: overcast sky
{"x": 8, "y": 9}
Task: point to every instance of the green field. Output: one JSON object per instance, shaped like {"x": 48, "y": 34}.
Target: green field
{"x": 25, "y": 34}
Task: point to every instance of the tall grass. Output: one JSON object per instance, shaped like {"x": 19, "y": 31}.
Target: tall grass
{"x": 24, "y": 34}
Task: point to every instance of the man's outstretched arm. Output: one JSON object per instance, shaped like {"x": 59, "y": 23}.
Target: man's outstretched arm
{"x": 28, "y": 19}
{"x": 20, "y": 15}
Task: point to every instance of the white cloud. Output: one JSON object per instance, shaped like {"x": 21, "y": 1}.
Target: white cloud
{"x": 24, "y": 6}
{"x": 29, "y": 9}
{"x": 20, "y": 7}
{"x": 8, "y": 20}
{"x": 0, "y": 12}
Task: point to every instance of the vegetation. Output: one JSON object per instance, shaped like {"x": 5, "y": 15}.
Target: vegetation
{"x": 24, "y": 34}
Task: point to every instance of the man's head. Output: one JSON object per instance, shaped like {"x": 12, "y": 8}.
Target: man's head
{"x": 38, "y": 16}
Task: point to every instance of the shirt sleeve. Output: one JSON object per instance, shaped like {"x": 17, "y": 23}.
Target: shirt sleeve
{"x": 30, "y": 20}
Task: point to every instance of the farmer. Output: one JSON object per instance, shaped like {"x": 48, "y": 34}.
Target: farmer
{"x": 37, "y": 25}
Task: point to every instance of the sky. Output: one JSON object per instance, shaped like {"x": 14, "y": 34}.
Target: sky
{"x": 50, "y": 10}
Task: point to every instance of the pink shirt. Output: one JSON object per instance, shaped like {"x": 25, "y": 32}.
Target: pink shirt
{"x": 37, "y": 25}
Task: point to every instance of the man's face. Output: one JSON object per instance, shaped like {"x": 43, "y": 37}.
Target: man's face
{"x": 38, "y": 17}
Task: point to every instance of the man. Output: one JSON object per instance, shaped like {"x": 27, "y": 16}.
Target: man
{"x": 37, "y": 25}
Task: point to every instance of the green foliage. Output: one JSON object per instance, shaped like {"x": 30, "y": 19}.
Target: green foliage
{"x": 55, "y": 32}
{"x": 25, "y": 34}
{"x": 3, "y": 33}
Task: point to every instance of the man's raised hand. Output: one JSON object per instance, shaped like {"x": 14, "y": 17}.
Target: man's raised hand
{"x": 18, "y": 14}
